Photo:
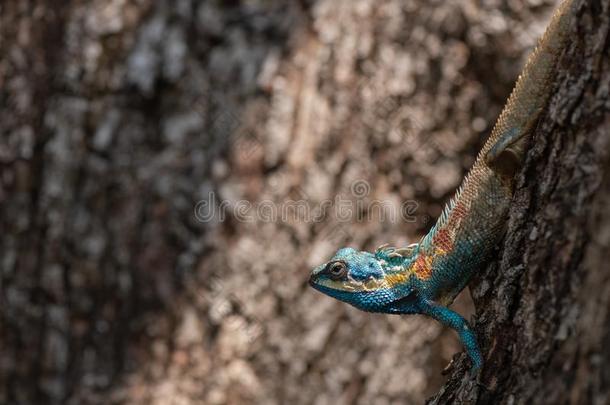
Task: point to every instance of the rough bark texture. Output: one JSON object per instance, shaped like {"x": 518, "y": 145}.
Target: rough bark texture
{"x": 117, "y": 119}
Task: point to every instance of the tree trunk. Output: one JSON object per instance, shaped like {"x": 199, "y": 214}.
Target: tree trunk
{"x": 543, "y": 308}
{"x": 125, "y": 125}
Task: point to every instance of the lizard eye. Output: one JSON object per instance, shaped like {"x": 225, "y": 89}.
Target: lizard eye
{"x": 337, "y": 270}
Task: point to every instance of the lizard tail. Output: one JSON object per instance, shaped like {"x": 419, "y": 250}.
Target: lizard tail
{"x": 504, "y": 151}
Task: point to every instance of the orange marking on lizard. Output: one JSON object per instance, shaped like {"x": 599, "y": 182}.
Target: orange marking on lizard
{"x": 443, "y": 241}
{"x": 423, "y": 266}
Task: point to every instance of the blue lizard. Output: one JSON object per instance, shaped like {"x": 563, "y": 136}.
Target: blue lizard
{"x": 424, "y": 278}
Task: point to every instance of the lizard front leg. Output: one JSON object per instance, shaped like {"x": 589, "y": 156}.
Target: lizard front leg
{"x": 416, "y": 304}
{"x": 456, "y": 322}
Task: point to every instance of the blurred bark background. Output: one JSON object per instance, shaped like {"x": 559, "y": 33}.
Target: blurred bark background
{"x": 120, "y": 120}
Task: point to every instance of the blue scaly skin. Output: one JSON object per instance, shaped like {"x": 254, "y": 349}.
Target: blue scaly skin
{"x": 425, "y": 277}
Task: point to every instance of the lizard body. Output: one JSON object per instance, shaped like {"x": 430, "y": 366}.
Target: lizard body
{"x": 425, "y": 277}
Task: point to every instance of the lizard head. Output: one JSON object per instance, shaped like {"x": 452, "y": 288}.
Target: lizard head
{"x": 368, "y": 281}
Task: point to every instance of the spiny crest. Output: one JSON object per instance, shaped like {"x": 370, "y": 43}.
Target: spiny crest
{"x": 442, "y": 220}
{"x": 450, "y": 206}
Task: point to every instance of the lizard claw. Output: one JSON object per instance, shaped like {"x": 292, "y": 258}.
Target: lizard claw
{"x": 449, "y": 367}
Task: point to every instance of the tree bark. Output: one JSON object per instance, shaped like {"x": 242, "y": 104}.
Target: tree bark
{"x": 117, "y": 119}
